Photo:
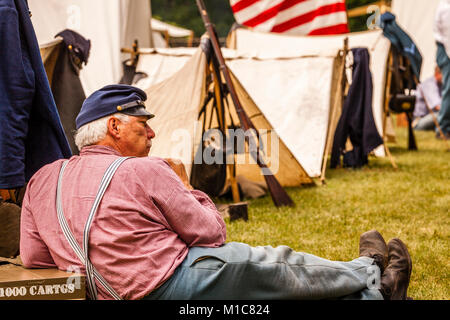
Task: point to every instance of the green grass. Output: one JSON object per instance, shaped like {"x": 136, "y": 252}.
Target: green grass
{"x": 411, "y": 203}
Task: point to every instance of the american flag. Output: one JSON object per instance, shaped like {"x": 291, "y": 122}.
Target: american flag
{"x": 296, "y": 17}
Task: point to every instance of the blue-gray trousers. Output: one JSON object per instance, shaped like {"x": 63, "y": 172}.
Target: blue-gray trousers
{"x": 237, "y": 271}
{"x": 426, "y": 122}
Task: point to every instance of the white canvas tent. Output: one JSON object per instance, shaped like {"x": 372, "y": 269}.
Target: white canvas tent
{"x": 259, "y": 75}
{"x": 278, "y": 85}
{"x": 164, "y": 31}
{"x": 49, "y": 53}
{"x": 109, "y": 24}
{"x": 416, "y": 17}
{"x": 161, "y": 63}
{"x": 248, "y": 41}
{"x": 176, "y": 96}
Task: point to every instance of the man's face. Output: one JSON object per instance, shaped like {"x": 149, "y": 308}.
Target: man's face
{"x": 135, "y": 137}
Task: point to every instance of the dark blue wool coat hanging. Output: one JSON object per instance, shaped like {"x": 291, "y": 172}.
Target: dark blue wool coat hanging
{"x": 31, "y": 134}
{"x": 402, "y": 42}
{"x": 357, "y": 122}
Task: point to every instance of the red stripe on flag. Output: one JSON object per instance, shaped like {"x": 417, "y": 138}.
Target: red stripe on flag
{"x": 289, "y": 3}
{"x": 337, "y": 29}
{"x": 271, "y": 12}
{"x": 263, "y": 16}
{"x": 242, "y": 5}
{"x": 308, "y": 17}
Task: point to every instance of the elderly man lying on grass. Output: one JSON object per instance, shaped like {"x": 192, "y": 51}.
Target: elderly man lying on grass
{"x": 136, "y": 227}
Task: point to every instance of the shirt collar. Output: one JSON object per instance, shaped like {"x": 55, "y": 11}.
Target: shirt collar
{"x": 97, "y": 150}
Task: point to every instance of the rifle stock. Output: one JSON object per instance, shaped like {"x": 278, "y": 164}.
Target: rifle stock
{"x": 278, "y": 194}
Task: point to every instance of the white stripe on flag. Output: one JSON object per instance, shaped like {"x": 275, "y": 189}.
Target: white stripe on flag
{"x": 319, "y": 22}
{"x": 233, "y": 2}
{"x": 301, "y": 9}
{"x": 255, "y": 9}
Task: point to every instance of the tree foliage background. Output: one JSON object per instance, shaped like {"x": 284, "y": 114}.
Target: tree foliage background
{"x": 184, "y": 13}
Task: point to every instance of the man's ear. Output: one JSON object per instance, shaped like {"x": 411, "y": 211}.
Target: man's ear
{"x": 113, "y": 127}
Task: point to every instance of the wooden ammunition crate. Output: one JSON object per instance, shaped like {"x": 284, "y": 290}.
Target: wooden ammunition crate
{"x": 19, "y": 283}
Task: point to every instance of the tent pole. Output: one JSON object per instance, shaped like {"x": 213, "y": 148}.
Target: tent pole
{"x": 336, "y": 101}
{"x": 233, "y": 182}
{"x": 363, "y": 10}
{"x": 386, "y": 109}
{"x": 190, "y": 39}
{"x": 166, "y": 37}
{"x": 222, "y": 125}
{"x": 134, "y": 52}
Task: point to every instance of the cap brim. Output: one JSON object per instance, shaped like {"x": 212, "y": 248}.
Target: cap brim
{"x": 137, "y": 112}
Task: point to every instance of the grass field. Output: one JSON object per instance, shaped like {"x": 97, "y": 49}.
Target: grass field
{"x": 412, "y": 203}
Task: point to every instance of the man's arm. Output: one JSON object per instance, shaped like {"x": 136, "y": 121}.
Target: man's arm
{"x": 190, "y": 213}
{"x": 179, "y": 168}
{"x": 33, "y": 251}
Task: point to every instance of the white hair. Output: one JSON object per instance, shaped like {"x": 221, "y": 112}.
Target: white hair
{"x": 95, "y": 131}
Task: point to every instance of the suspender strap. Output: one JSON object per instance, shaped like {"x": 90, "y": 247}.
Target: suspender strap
{"x": 91, "y": 273}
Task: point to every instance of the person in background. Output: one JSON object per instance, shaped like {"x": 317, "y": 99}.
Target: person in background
{"x": 428, "y": 96}
{"x": 442, "y": 36}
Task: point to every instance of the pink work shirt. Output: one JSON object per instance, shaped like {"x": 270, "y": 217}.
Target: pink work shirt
{"x": 143, "y": 228}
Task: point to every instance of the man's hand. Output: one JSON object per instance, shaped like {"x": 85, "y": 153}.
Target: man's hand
{"x": 180, "y": 170}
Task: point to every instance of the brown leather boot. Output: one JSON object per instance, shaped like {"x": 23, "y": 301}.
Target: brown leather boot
{"x": 372, "y": 245}
{"x": 395, "y": 279}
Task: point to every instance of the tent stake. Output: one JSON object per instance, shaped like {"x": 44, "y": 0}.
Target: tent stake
{"x": 386, "y": 109}
{"x": 341, "y": 81}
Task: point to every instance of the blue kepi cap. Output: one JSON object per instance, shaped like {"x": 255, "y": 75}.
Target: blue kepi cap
{"x": 112, "y": 99}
